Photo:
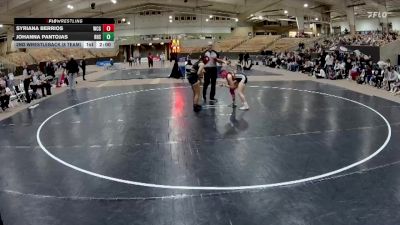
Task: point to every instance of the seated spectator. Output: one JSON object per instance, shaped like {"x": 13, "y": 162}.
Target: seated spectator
{"x": 338, "y": 70}
{"x": 392, "y": 78}
{"x": 4, "y": 94}
{"x": 248, "y": 65}
{"x": 396, "y": 87}
{"x": 40, "y": 81}
{"x": 354, "y": 72}
{"x": 307, "y": 67}
{"x": 319, "y": 72}
{"x": 379, "y": 78}
{"x": 340, "y": 63}
{"x": 272, "y": 62}
{"x": 368, "y": 74}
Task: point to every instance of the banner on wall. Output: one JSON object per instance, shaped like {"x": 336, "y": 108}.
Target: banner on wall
{"x": 175, "y": 46}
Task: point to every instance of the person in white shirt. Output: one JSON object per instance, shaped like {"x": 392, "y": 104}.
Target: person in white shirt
{"x": 130, "y": 61}
{"x": 396, "y": 86}
{"x": 210, "y": 76}
{"x": 337, "y": 66}
{"x": 391, "y": 78}
{"x": 38, "y": 82}
{"x": 162, "y": 58}
{"x": 329, "y": 60}
{"x": 338, "y": 69}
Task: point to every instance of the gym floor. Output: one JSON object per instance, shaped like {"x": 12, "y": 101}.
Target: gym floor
{"x": 305, "y": 153}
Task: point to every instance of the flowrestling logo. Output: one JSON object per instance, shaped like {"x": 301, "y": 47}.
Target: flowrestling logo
{"x": 378, "y": 14}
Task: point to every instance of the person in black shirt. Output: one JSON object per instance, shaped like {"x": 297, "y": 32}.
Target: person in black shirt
{"x": 246, "y": 57}
{"x": 83, "y": 66}
{"x": 241, "y": 56}
{"x": 27, "y": 78}
{"x": 195, "y": 75}
{"x": 72, "y": 71}
{"x": 150, "y": 60}
{"x": 49, "y": 69}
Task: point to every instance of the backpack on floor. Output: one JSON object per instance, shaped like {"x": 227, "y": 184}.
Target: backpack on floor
{"x": 359, "y": 80}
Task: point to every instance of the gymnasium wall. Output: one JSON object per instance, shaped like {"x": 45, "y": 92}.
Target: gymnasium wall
{"x": 195, "y": 42}
{"x": 147, "y": 25}
{"x": 368, "y": 24}
{"x": 3, "y": 48}
{"x": 242, "y": 31}
{"x": 390, "y": 51}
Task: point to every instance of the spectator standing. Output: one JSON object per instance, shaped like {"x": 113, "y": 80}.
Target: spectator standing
{"x": 139, "y": 58}
{"x": 329, "y": 61}
{"x": 72, "y": 68}
{"x": 162, "y": 58}
{"x": 27, "y": 78}
{"x": 241, "y": 56}
{"x": 150, "y": 60}
{"x": 49, "y": 70}
{"x": 83, "y": 66}
{"x": 130, "y": 60}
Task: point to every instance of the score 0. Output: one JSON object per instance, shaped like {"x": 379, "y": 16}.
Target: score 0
{"x": 108, "y": 32}
{"x": 108, "y": 27}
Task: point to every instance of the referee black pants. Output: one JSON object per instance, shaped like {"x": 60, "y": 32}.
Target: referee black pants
{"x": 210, "y": 77}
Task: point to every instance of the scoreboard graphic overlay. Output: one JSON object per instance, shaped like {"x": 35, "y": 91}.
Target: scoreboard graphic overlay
{"x": 64, "y": 33}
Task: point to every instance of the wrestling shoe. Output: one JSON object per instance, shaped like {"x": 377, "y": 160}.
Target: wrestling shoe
{"x": 197, "y": 108}
{"x": 245, "y": 107}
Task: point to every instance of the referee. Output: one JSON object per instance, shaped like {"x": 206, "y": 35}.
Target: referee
{"x": 211, "y": 75}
